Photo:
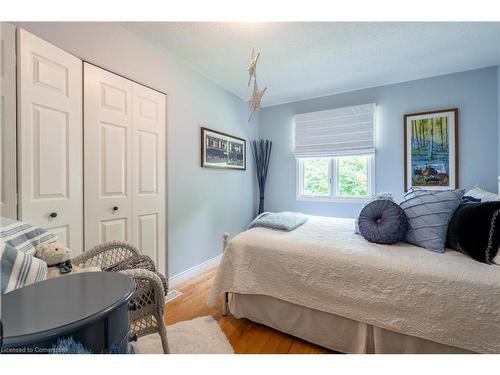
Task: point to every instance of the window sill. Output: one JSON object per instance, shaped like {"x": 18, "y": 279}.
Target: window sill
{"x": 335, "y": 200}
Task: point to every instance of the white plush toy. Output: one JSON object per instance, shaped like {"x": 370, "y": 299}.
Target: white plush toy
{"x": 58, "y": 259}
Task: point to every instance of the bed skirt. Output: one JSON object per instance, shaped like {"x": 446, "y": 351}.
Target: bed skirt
{"x": 328, "y": 330}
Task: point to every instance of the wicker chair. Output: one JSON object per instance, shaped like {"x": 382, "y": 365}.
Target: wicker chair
{"x": 149, "y": 296}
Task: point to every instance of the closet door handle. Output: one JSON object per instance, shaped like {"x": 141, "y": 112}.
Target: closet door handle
{"x": 115, "y": 208}
{"x": 53, "y": 214}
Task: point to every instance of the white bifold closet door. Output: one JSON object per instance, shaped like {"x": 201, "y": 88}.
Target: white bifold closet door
{"x": 8, "y": 185}
{"x": 149, "y": 204}
{"x": 50, "y": 139}
{"x": 107, "y": 157}
{"x": 125, "y": 162}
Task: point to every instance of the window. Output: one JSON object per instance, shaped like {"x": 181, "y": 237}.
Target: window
{"x": 342, "y": 178}
{"x": 352, "y": 176}
{"x": 317, "y": 178}
{"x": 335, "y": 152}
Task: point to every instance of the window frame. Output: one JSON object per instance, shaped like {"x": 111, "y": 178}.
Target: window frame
{"x": 333, "y": 184}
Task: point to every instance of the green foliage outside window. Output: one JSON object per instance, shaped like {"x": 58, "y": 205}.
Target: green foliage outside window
{"x": 316, "y": 179}
{"x": 353, "y": 176}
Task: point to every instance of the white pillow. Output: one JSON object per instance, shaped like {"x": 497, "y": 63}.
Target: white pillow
{"x": 23, "y": 236}
{"x": 19, "y": 268}
{"x": 484, "y": 195}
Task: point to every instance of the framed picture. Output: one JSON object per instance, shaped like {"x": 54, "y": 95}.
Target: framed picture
{"x": 219, "y": 150}
{"x": 431, "y": 149}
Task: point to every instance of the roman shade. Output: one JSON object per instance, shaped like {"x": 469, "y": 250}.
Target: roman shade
{"x": 336, "y": 132}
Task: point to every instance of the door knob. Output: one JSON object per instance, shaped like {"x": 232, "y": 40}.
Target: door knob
{"x": 115, "y": 208}
{"x": 53, "y": 214}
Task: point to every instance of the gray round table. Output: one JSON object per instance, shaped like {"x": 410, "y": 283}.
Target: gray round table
{"x": 92, "y": 308}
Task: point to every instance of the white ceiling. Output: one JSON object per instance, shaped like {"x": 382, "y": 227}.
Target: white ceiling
{"x": 309, "y": 59}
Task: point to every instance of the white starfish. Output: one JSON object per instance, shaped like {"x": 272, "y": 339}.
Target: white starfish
{"x": 252, "y": 68}
{"x": 255, "y": 99}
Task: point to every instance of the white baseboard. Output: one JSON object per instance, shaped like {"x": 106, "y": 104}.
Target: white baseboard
{"x": 193, "y": 271}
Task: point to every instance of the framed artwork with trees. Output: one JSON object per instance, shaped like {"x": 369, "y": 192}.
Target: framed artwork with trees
{"x": 431, "y": 150}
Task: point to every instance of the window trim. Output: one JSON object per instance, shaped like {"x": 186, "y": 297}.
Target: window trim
{"x": 333, "y": 182}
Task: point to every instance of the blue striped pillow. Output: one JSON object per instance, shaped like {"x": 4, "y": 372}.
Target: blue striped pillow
{"x": 22, "y": 236}
{"x": 429, "y": 212}
{"x": 18, "y": 269}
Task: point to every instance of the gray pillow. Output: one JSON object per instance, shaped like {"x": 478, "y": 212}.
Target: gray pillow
{"x": 380, "y": 196}
{"x": 429, "y": 213}
{"x": 383, "y": 221}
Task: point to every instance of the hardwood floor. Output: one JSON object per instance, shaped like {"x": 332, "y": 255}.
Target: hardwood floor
{"x": 245, "y": 336}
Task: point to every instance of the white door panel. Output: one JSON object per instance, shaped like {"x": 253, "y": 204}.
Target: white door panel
{"x": 114, "y": 150}
{"x": 50, "y": 138}
{"x": 62, "y": 232}
{"x": 149, "y": 194}
{"x": 50, "y": 153}
{"x": 114, "y": 229}
{"x": 125, "y": 163}
{"x": 148, "y": 154}
{"x": 107, "y": 156}
{"x": 8, "y": 200}
{"x": 147, "y": 234}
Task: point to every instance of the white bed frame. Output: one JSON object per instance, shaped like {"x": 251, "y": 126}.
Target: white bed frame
{"x": 343, "y": 341}
{"x": 409, "y": 344}
{"x": 225, "y": 241}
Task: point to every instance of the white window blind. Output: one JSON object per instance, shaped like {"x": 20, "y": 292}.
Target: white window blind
{"x": 336, "y": 132}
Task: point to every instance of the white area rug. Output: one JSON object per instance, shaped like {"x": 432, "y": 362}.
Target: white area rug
{"x": 198, "y": 336}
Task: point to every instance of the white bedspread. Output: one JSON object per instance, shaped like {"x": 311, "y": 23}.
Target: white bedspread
{"x": 448, "y": 298}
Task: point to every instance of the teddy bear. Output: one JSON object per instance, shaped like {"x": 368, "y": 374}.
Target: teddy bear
{"x": 58, "y": 259}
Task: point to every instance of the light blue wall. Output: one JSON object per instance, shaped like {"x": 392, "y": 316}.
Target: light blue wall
{"x": 202, "y": 203}
{"x": 473, "y": 92}
{"x": 498, "y": 114}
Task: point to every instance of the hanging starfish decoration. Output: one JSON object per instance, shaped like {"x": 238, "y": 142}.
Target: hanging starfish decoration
{"x": 252, "y": 68}
{"x": 255, "y": 99}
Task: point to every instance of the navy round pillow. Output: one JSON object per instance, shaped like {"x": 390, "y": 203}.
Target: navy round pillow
{"x": 383, "y": 221}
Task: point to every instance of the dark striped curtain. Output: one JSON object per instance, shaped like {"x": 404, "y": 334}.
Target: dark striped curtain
{"x": 261, "y": 150}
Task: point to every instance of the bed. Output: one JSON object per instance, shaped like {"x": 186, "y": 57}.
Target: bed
{"x": 323, "y": 283}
